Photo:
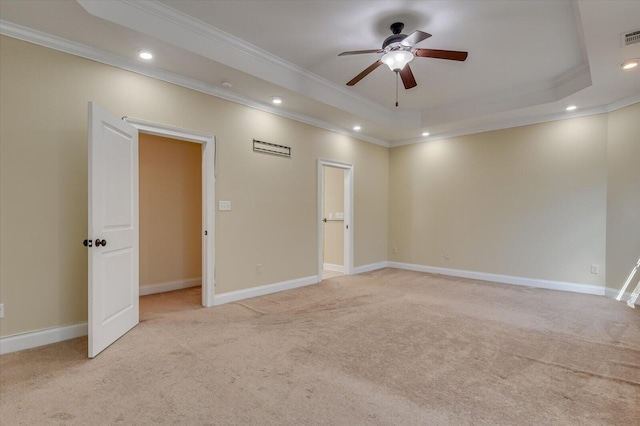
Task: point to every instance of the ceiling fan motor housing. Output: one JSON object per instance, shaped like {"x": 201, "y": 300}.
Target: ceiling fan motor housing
{"x": 397, "y": 37}
{"x": 393, "y": 39}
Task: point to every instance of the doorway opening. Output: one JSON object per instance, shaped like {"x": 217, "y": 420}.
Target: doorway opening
{"x": 187, "y": 143}
{"x": 335, "y": 218}
{"x": 170, "y": 220}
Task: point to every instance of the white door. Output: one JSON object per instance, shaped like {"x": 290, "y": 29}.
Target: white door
{"x": 113, "y": 228}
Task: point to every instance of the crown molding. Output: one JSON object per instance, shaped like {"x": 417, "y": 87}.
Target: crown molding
{"x": 623, "y": 103}
{"x": 507, "y": 124}
{"x": 553, "y": 90}
{"x": 572, "y": 81}
{"x": 56, "y": 43}
{"x": 165, "y": 23}
{"x": 50, "y": 41}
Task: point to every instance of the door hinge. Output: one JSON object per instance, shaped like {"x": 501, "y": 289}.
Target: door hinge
{"x": 205, "y": 233}
{"x": 88, "y": 243}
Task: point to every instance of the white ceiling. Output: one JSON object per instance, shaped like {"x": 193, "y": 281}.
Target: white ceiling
{"x": 527, "y": 61}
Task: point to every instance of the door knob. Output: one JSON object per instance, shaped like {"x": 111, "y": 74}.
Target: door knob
{"x": 87, "y": 243}
{"x": 101, "y": 243}
{"x": 324, "y": 220}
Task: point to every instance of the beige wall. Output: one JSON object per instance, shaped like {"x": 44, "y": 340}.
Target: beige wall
{"x": 170, "y": 210}
{"x": 623, "y": 196}
{"x": 527, "y": 202}
{"x": 333, "y": 203}
{"x": 43, "y": 185}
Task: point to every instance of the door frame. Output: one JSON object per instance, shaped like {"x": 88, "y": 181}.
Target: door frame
{"x": 208, "y": 143}
{"x": 348, "y": 214}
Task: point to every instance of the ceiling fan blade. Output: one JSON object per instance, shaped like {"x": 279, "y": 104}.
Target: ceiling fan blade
{"x": 358, "y": 52}
{"x": 408, "y": 79}
{"x": 364, "y": 73}
{"x": 453, "y": 55}
{"x": 415, "y": 38}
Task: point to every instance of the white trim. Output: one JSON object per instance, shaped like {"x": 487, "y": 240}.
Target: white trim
{"x": 520, "y": 122}
{"x": 208, "y": 142}
{"x": 77, "y": 49}
{"x": 613, "y": 294}
{"x": 332, "y": 267}
{"x": 186, "y": 32}
{"x": 148, "y": 289}
{"x": 370, "y": 267}
{"x": 19, "y": 32}
{"x": 348, "y": 213}
{"x": 505, "y": 279}
{"x": 233, "y": 296}
{"x": 33, "y": 339}
{"x": 167, "y": 131}
{"x": 623, "y": 103}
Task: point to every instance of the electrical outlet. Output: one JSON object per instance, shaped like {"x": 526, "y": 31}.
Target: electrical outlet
{"x": 224, "y": 205}
{"x": 395, "y": 250}
{"x": 1, "y": 310}
{"x": 259, "y": 268}
{"x": 595, "y": 269}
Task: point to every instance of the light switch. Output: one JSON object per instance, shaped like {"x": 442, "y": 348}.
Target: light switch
{"x": 224, "y": 205}
{"x": 339, "y": 215}
{"x": 330, "y": 216}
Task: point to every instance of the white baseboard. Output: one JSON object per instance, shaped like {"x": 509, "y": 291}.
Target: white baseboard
{"x": 613, "y": 293}
{"x": 146, "y": 290}
{"x": 332, "y": 267}
{"x": 505, "y": 279}
{"x": 370, "y": 267}
{"x": 233, "y": 296}
{"x": 33, "y": 339}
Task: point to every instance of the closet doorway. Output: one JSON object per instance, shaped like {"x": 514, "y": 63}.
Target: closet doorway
{"x": 207, "y": 145}
{"x": 170, "y": 215}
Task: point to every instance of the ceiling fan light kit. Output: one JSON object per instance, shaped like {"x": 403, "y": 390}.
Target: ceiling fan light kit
{"x": 397, "y": 59}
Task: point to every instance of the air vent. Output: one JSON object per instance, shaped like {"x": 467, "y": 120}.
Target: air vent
{"x": 630, "y": 38}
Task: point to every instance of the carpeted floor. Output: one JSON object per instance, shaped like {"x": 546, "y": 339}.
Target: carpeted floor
{"x": 388, "y": 347}
{"x": 326, "y": 274}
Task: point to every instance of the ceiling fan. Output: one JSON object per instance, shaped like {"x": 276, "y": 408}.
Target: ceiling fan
{"x": 399, "y": 51}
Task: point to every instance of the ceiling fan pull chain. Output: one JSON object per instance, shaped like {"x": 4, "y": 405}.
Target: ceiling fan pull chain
{"x": 397, "y": 88}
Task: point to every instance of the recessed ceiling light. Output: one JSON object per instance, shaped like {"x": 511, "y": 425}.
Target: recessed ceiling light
{"x": 276, "y": 100}
{"x": 227, "y": 84}
{"x": 145, "y": 54}
{"x": 425, "y": 133}
{"x": 356, "y": 128}
{"x": 631, "y": 63}
{"x": 571, "y": 107}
